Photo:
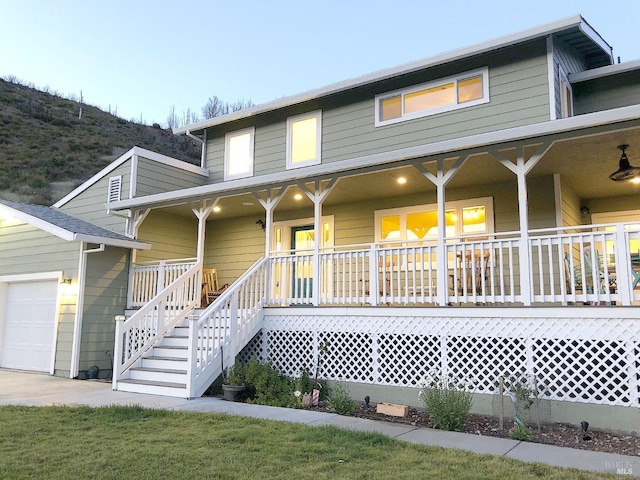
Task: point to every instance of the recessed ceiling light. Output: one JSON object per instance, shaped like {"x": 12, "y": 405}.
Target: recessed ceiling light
{"x": 401, "y": 180}
{"x": 248, "y": 204}
{"x": 216, "y": 209}
{"x": 298, "y": 196}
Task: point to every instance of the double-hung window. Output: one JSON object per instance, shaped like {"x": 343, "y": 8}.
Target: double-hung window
{"x": 238, "y": 154}
{"x": 460, "y": 91}
{"x": 304, "y": 136}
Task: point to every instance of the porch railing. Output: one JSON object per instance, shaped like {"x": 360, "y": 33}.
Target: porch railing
{"x": 565, "y": 266}
{"x": 148, "y": 325}
{"x": 218, "y": 334}
{"x": 149, "y": 278}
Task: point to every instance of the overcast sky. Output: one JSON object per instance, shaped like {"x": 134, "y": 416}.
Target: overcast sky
{"x": 143, "y": 57}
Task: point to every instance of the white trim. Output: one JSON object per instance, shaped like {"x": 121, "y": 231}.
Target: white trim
{"x": 286, "y": 226}
{"x": 114, "y": 189}
{"x": 566, "y": 108}
{"x": 551, "y": 78}
{"x": 380, "y": 75}
{"x": 604, "y": 71}
{"x": 454, "y": 79}
{"x": 157, "y": 157}
{"x": 251, "y": 131}
{"x": 133, "y": 181}
{"x": 317, "y": 115}
{"x": 112, "y": 242}
{"x": 481, "y": 140}
{"x": 31, "y": 277}
{"x": 38, "y": 223}
{"x": 557, "y": 195}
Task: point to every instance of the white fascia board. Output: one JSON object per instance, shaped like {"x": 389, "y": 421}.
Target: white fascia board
{"x": 595, "y": 37}
{"x": 604, "y": 71}
{"x": 450, "y": 56}
{"x": 37, "y": 223}
{"x": 234, "y": 187}
{"x": 173, "y": 162}
{"x": 113, "y": 242}
{"x": 101, "y": 174}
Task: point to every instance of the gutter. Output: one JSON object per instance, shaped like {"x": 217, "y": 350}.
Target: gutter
{"x": 77, "y": 326}
{"x": 203, "y": 142}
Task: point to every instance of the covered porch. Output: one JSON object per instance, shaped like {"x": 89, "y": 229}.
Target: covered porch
{"x": 553, "y": 228}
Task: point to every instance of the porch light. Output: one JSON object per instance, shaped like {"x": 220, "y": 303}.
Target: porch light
{"x": 65, "y": 281}
{"x": 401, "y": 180}
{"x": 625, "y": 171}
{"x": 298, "y": 196}
{"x": 216, "y": 209}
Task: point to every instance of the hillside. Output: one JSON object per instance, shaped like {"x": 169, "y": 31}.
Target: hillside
{"x": 46, "y": 150}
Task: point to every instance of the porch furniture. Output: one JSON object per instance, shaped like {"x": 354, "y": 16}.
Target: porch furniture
{"x": 209, "y": 284}
{"x": 471, "y": 272}
{"x": 635, "y": 271}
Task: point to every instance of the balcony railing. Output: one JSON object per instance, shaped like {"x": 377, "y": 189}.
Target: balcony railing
{"x": 591, "y": 265}
{"x": 146, "y": 279}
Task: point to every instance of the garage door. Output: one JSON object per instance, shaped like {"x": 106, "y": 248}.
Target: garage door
{"x": 28, "y": 332}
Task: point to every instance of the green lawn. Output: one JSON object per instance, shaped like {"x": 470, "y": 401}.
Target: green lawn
{"x": 132, "y": 442}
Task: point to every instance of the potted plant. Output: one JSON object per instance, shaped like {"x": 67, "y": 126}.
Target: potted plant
{"x": 234, "y": 382}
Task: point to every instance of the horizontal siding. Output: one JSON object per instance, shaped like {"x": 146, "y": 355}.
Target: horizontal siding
{"x": 105, "y": 297}
{"x": 609, "y": 92}
{"x": 519, "y": 95}
{"x": 170, "y": 236}
{"x": 90, "y": 204}
{"x": 232, "y": 246}
{"x": 154, "y": 177}
{"x": 26, "y": 250}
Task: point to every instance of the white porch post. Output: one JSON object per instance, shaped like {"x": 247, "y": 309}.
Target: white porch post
{"x": 440, "y": 180}
{"x": 318, "y": 196}
{"x": 623, "y": 271}
{"x": 521, "y": 168}
{"x": 269, "y": 202}
{"x": 202, "y": 212}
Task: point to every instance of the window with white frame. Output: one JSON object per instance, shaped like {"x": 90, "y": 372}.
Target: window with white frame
{"x": 460, "y": 91}
{"x": 304, "y": 138}
{"x": 420, "y": 222}
{"x": 238, "y": 153}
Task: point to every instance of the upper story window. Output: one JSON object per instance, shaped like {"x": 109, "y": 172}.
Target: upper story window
{"x": 464, "y": 90}
{"x": 304, "y": 135}
{"x": 238, "y": 153}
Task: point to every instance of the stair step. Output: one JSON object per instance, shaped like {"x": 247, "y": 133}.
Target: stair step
{"x": 170, "y": 351}
{"x": 158, "y": 375}
{"x": 163, "y": 363}
{"x": 168, "y": 389}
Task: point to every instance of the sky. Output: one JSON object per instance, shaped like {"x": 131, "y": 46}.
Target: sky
{"x": 142, "y": 58}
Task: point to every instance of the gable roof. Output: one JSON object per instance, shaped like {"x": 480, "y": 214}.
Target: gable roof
{"x": 67, "y": 227}
{"x": 574, "y": 31}
{"x": 137, "y": 151}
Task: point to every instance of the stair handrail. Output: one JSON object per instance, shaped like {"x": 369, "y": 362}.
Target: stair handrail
{"x": 147, "y": 326}
{"x": 236, "y": 316}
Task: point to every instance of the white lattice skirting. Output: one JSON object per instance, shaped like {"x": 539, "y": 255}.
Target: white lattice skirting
{"x": 589, "y": 355}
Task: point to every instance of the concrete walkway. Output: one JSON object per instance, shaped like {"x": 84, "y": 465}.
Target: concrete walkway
{"x": 19, "y": 388}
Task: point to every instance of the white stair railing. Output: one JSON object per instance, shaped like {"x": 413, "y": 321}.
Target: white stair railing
{"x": 147, "y": 279}
{"x": 218, "y": 334}
{"x": 148, "y": 325}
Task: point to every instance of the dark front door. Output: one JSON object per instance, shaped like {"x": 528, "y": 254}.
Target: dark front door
{"x": 302, "y": 245}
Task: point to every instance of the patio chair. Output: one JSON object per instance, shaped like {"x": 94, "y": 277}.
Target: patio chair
{"x": 210, "y": 287}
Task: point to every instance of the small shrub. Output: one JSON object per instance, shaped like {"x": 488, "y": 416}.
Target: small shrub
{"x": 236, "y": 375}
{"x": 521, "y": 432}
{"x": 447, "y": 399}
{"x": 268, "y": 386}
{"x": 340, "y": 402}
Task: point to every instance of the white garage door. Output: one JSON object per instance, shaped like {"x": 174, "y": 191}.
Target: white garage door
{"x": 28, "y": 332}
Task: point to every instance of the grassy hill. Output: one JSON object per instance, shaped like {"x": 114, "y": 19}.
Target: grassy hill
{"x": 46, "y": 150}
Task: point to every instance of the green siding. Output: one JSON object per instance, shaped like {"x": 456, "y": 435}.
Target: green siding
{"x": 105, "y": 297}
{"x": 25, "y": 250}
{"x": 571, "y": 62}
{"x": 170, "y": 236}
{"x": 232, "y": 246}
{"x": 613, "y": 91}
{"x": 519, "y": 95}
{"x": 155, "y": 177}
{"x": 89, "y": 205}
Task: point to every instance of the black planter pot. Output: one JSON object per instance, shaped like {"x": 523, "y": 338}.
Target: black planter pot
{"x": 232, "y": 392}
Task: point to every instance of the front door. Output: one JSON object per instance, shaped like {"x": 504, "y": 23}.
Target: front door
{"x": 302, "y": 246}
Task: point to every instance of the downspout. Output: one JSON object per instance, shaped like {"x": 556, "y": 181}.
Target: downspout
{"x": 77, "y": 327}
{"x": 203, "y": 141}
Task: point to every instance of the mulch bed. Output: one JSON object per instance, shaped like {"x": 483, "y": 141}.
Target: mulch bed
{"x": 559, "y": 434}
